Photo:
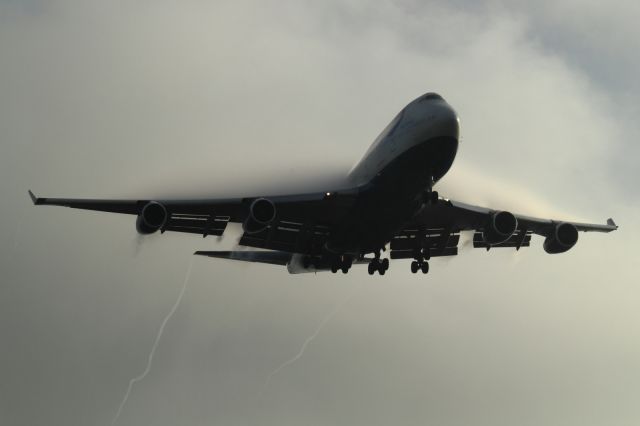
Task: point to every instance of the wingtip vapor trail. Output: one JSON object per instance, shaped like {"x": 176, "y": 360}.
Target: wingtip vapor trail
{"x": 307, "y": 341}
{"x": 147, "y": 369}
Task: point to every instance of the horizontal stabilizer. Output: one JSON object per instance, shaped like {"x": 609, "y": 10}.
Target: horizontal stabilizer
{"x": 271, "y": 257}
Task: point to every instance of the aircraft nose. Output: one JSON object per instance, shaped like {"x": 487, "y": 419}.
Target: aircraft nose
{"x": 445, "y": 121}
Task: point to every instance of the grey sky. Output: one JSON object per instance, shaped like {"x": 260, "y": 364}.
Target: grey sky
{"x": 111, "y": 99}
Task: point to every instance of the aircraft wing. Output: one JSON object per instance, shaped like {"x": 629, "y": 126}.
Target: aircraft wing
{"x": 465, "y": 217}
{"x": 435, "y": 230}
{"x": 295, "y": 214}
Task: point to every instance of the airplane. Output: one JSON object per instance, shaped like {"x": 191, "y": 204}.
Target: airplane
{"x": 389, "y": 200}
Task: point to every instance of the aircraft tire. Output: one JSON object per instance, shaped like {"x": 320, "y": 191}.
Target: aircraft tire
{"x": 425, "y": 267}
{"x": 414, "y": 267}
{"x": 384, "y": 264}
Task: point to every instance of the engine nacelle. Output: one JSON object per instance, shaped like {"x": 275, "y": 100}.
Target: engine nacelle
{"x": 564, "y": 236}
{"x": 500, "y": 228}
{"x": 152, "y": 217}
{"x": 261, "y": 213}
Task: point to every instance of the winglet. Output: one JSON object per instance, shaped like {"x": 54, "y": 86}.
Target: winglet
{"x": 35, "y": 199}
{"x": 610, "y": 222}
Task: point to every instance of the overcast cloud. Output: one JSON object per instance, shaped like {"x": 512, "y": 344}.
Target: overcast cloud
{"x": 146, "y": 99}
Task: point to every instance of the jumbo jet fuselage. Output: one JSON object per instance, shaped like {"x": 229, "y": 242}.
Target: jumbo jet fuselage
{"x": 397, "y": 172}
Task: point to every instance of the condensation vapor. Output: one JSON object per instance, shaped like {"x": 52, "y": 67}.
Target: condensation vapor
{"x": 467, "y": 184}
{"x": 308, "y": 341}
{"x": 277, "y": 180}
{"x": 137, "y": 242}
{"x": 141, "y": 377}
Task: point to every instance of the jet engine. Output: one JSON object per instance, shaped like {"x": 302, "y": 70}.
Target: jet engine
{"x": 261, "y": 213}
{"x": 500, "y": 227}
{"x": 563, "y": 237}
{"x": 152, "y": 217}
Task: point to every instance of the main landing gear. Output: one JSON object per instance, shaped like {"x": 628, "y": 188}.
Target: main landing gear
{"x": 342, "y": 263}
{"x": 421, "y": 262}
{"x": 420, "y": 266}
{"x": 377, "y": 264}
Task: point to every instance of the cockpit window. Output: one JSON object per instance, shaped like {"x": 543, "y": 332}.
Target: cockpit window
{"x": 432, "y": 95}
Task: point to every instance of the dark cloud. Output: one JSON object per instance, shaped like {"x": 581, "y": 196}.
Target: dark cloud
{"x": 121, "y": 100}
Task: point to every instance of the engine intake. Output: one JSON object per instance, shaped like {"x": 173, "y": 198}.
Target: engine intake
{"x": 564, "y": 237}
{"x": 152, "y": 217}
{"x": 500, "y": 228}
{"x": 261, "y": 213}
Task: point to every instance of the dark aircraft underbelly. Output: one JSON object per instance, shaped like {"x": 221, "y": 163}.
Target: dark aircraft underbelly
{"x": 393, "y": 197}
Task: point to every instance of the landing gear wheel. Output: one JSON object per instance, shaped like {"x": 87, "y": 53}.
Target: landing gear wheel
{"x": 425, "y": 254}
{"x": 341, "y": 263}
{"x": 415, "y": 266}
{"x": 424, "y": 267}
{"x": 372, "y": 268}
{"x": 383, "y": 265}
{"x": 378, "y": 265}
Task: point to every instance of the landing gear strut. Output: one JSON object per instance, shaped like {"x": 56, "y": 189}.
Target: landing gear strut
{"x": 431, "y": 196}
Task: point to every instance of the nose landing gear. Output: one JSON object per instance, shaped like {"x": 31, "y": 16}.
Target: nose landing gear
{"x": 431, "y": 196}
